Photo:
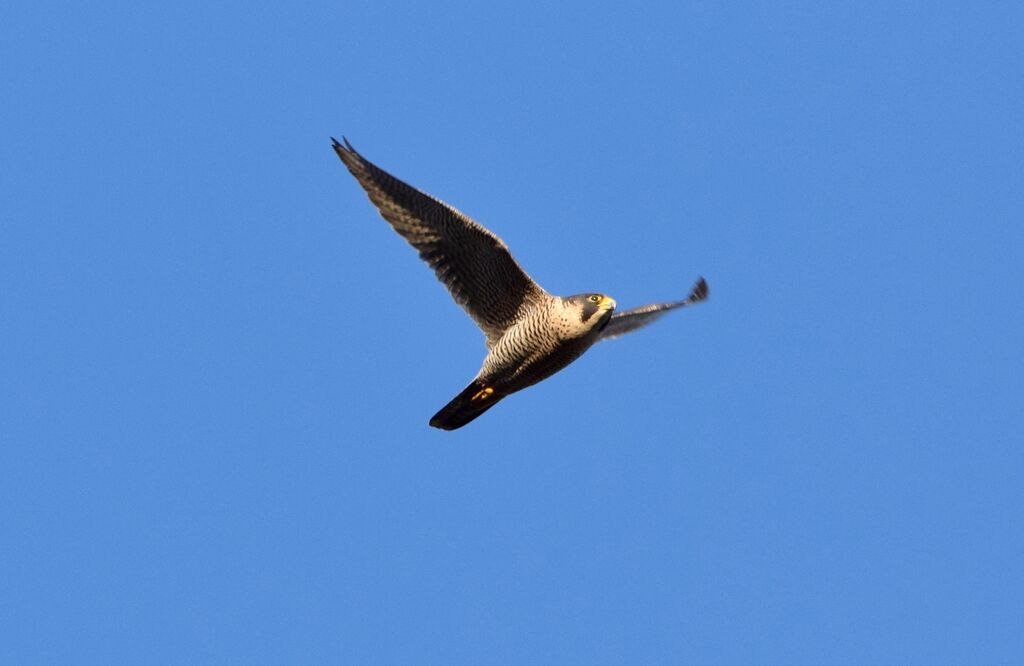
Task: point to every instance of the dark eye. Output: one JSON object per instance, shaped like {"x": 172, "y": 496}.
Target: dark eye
{"x": 595, "y": 299}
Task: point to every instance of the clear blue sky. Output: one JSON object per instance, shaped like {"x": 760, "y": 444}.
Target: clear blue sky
{"x": 217, "y": 362}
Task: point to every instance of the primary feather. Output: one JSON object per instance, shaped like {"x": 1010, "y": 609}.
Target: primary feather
{"x": 530, "y": 333}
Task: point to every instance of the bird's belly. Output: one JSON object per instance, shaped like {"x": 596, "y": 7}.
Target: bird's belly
{"x": 539, "y": 366}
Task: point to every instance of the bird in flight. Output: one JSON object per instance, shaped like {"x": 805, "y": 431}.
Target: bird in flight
{"x": 530, "y": 333}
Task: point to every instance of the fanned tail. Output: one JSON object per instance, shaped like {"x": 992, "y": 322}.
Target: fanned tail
{"x": 474, "y": 400}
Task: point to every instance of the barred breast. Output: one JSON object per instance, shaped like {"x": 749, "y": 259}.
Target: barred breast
{"x": 547, "y": 337}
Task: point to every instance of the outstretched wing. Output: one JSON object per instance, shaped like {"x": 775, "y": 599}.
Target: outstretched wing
{"x": 472, "y": 262}
{"x": 630, "y": 320}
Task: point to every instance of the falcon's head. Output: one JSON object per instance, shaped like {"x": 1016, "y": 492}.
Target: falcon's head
{"x": 595, "y": 310}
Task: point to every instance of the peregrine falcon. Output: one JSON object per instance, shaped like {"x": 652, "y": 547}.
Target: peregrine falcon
{"x": 530, "y": 333}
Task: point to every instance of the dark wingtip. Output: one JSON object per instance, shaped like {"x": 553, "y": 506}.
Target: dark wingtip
{"x": 346, "y": 152}
{"x": 699, "y": 292}
{"x": 342, "y": 146}
{"x": 338, "y": 148}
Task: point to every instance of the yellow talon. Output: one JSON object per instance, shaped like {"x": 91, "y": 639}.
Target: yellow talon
{"x": 482, "y": 394}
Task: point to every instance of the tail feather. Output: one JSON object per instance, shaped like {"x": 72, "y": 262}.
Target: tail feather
{"x": 474, "y": 400}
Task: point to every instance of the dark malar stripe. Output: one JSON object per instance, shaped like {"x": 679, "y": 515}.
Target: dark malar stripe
{"x": 588, "y": 310}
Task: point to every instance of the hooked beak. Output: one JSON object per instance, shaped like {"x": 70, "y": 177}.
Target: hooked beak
{"x": 607, "y": 303}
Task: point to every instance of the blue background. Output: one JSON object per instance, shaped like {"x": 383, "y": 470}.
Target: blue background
{"x": 217, "y": 363}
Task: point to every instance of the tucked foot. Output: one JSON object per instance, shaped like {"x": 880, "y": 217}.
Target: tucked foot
{"x": 482, "y": 394}
{"x": 474, "y": 400}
